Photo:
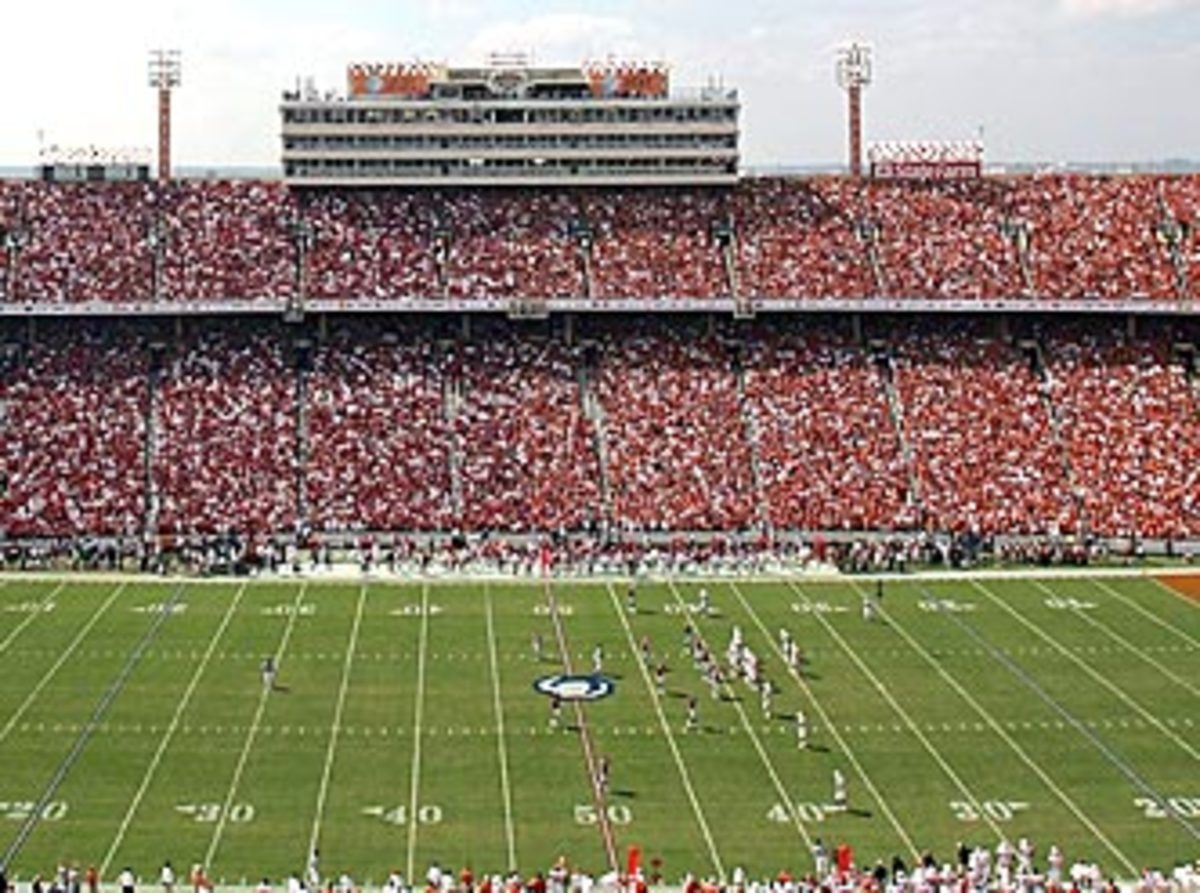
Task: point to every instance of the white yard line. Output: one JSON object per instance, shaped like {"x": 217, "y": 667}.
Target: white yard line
{"x": 1148, "y": 614}
{"x": 1016, "y": 748}
{"x": 1087, "y": 668}
{"x": 169, "y": 735}
{"x": 501, "y": 745}
{"x": 684, "y": 775}
{"x": 58, "y": 664}
{"x": 607, "y": 836}
{"x": 327, "y": 770}
{"x": 886, "y": 694}
{"x": 418, "y": 711}
{"x": 827, "y": 723}
{"x": 785, "y": 798}
{"x": 33, "y": 615}
{"x": 1126, "y": 644}
{"x": 215, "y": 843}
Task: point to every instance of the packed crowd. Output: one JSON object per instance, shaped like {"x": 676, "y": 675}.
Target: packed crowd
{"x": 827, "y": 449}
{"x": 952, "y": 240}
{"x": 83, "y": 243}
{"x": 1096, "y": 237}
{"x": 528, "y": 448}
{"x": 1131, "y": 425}
{"x": 656, "y": 244}
{"x": 985, "y": 454}
{"x": 378, "y": 437}
{"x": 511, "y": 246}
{"x": 224, "y": 448}
{"x": 629, "y": 427}
{"x": 72, "y": 435}
{"x": 1055, "y": 236}
{"x": 9, "y": 215}
{"x": 223, "y": 240}
{"x": 675, "y": 440}
{"x": 371, "y": 246}
{"x": 802, "y": 239}
{"x": 1180, "y": 203}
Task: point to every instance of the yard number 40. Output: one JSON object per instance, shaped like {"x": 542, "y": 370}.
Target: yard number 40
{"x": 996, "y": 810}
{"x": 429, "y": 814}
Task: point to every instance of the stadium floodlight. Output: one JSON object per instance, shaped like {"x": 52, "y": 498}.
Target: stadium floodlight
{"x": 164, "y": 73}
{"x": 854, "y": 72}
{"x": 165, "y": 69}
{"x": 854, "y": 65}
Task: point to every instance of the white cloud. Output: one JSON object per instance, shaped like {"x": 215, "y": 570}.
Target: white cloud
{"x": 555, "y": 38}
{"x": 1127, "y": 8}
{"x": 453, "y": 9}
{"x": 943, "y": 67}
{"x": 236, "y": 58}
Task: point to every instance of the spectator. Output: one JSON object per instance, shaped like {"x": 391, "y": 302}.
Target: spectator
{"x": 225, "y": 458}
{"x": 985, "y": 454}
{"x": 829, "y": 457}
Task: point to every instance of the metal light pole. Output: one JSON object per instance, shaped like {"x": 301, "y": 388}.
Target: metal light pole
{"x": 165, "y": 74}
{"x": 853, "y": 74}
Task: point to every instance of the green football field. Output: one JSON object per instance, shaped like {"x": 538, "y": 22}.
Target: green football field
{"x": 405, "y": 729}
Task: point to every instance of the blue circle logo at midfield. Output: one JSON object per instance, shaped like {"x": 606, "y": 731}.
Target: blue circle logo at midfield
{"x": 577, "y": 687}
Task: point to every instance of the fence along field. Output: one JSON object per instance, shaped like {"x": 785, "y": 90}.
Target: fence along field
{"x": 404, "y": 727}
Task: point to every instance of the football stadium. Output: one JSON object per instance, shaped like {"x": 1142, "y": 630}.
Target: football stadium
{"x": 516, "y": 492}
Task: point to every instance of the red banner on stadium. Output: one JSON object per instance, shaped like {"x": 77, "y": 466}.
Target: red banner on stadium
{"x": 402, "y": 81}
{"x": 637, "y": 80}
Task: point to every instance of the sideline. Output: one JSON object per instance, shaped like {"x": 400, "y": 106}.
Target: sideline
{"x": 821, "y": 574}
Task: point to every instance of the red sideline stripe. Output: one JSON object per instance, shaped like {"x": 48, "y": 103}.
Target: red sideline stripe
{"x": 1187, "y": 585}
{"x": 589, "y": 755}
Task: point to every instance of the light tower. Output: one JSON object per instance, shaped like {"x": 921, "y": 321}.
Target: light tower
{"x": 165, "y": 75}
{"x": 853, "y": 74}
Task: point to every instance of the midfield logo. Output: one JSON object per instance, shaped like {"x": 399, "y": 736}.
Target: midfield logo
{"x": 578, "y": 687}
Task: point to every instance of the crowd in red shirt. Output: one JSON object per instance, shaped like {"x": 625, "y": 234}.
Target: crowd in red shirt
{"x": 985, "y": 454}
{"x": 223, "y": 451}
{"x": 1131, "y": 426}
{"x": 801, "y": 239}
{"x": 828, "y": 451}
{"x": 675, "y": 440}
{"x": 378, "y": 434}
{"x": 72, "y": 435}
{"x": 527, "y": 445}
{"x": 1062, "y": 236}
{"x": 637, "y": 425}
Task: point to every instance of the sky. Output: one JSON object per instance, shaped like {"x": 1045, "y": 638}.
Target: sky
{"x": 1042, "y": 80}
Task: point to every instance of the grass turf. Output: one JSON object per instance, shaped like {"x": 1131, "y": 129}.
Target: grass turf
{"x": 1066, "y": 710}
